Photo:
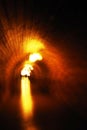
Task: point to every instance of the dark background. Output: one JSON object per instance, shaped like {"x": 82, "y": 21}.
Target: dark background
{"x": 61, "y": 16}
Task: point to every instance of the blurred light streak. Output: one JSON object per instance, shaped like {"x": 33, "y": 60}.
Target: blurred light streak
{"x": 26, "y": 98}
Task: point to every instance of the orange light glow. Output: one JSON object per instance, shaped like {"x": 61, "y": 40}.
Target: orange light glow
{"x": 34, "y": 57}
{"x": 26, "y": 99}
{"x": 32, "y": 45}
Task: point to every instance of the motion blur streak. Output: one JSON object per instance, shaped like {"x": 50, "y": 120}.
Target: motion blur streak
{"x": 26, "y": 99}
{"x": 25, "y": 85}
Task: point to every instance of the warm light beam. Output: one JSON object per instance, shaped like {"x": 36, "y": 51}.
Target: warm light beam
{"x": 26, "y": 98}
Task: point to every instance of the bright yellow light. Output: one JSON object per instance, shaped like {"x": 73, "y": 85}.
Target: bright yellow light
{"x": 26, "y": 99}
{"x": 32, "y": 45}
{"x": 34, "y": 57}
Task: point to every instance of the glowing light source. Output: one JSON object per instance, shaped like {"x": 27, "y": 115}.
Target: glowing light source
{"x": 28, "y": 67}
{"x": 34, "y": 57}
{"x": 26, "y": 98}
{"x": 26, "y": 70}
